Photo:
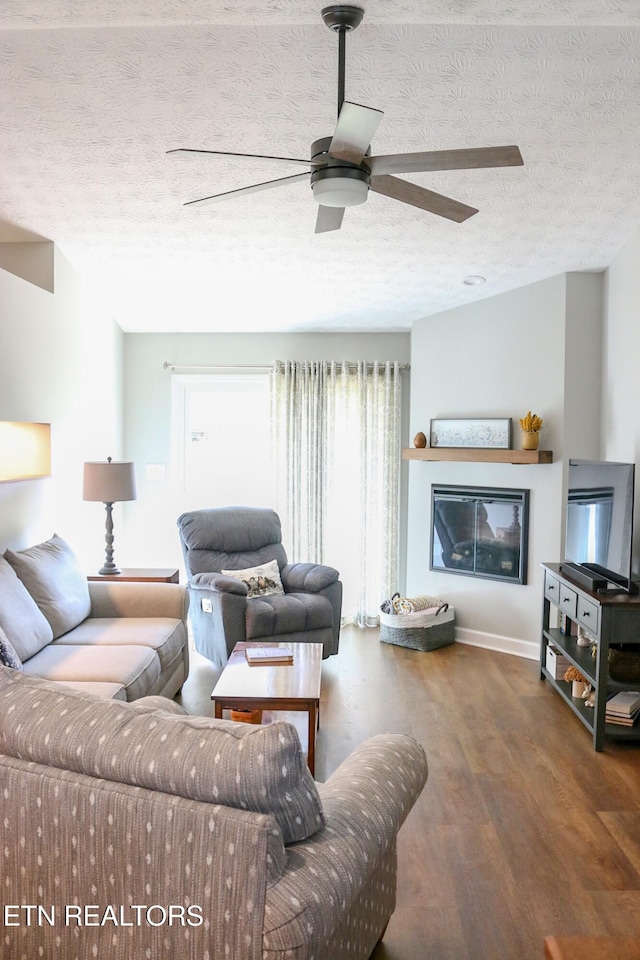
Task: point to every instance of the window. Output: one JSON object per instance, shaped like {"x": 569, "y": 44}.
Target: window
{"x": 222, "y": 450}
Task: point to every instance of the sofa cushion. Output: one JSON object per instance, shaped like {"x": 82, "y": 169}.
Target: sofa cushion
{"x": 8, "y": 655}
{"x": 258, "y": 768}
{"x": 136, "y": 668}
{"x": 51, "y": 573}
{"x": 289, "y": 613}
{"x": 162, "y": 634}
{"x": 24, "y": 624}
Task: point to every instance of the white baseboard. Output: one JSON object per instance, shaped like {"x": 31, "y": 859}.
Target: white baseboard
{"x": 492, "y": 641}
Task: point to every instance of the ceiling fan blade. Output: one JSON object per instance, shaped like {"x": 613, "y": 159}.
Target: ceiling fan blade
{"x": 354, "y": 132}
{"x": 471, "y": 159}
{"x": 419, "y": 197}
{"x": 329, "y": 218}
{"x": 254, "y": 188}
{"x": 186, "y": 154}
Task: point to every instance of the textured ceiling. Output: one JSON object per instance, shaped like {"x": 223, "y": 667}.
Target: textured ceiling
{"x": 92, "y": 95}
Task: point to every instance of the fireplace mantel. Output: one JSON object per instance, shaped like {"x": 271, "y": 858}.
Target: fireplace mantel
{"x": 476, "y": 455}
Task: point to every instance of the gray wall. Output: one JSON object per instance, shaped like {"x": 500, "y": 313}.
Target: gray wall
{"x": 523, "y": 350}
{"x": 60, "y": 362}
{"x": 151, "y": 535}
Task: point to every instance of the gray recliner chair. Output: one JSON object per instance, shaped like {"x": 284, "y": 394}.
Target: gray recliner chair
{"x": 222, "y": 613}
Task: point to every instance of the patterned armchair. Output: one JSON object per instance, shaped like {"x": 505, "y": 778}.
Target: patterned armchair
{"x": 241, "y": 586}
{"x": 167, "y": 835}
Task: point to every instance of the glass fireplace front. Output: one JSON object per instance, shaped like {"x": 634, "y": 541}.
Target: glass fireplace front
{"x": 480, "y": 532}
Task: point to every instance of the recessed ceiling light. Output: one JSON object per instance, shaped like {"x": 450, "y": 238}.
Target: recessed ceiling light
{"x": 474, "y": 281}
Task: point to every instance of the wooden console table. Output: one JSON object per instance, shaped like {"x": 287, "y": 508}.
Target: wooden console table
{"x": 609, "y": 619}
{"x": 141, "y": 575}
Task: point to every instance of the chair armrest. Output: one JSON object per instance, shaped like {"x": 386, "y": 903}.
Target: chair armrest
{"x": 111, "y": 598}
{"x": 218, "y": 582}
{"x": 365, "y": 803}
{"x": 307, "y": 577}
{"x": 376, "y": 786}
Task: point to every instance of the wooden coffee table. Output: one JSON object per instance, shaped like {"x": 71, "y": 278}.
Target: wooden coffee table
{"x": 294, "y": 686}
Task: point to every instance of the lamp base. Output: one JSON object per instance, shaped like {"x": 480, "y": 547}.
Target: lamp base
{"x": 109, "y": 565}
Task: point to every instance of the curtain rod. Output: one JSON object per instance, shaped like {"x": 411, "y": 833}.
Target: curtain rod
{"x": 168, "y": 365}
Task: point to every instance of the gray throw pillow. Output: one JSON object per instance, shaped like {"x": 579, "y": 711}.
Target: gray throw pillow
{"x": 51, "y": 573}
{"x": 26, "y": 628}
{"x": 8, "y": 655}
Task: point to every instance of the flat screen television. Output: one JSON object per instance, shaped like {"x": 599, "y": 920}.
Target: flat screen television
{"x": 599, "y": 530}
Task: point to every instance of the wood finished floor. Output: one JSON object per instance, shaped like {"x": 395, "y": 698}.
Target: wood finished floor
{"x": 522, "y": 830}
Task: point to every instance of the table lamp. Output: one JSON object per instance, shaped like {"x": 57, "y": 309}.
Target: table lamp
{"x": 109, "y": 482}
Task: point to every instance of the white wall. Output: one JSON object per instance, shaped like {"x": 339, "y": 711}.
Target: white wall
{"x": 620, "y": 365}
{"x": 60, "y": 362}
{"x": 151, "y": 533}
{"x": 501, "y": 357}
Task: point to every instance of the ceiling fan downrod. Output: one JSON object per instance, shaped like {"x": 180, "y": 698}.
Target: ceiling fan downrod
{"x": 342, "y": 17}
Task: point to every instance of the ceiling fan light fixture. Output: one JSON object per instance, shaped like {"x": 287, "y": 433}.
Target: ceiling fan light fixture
{"x": 340, "y": 192}
{"x": 341, "y": 168}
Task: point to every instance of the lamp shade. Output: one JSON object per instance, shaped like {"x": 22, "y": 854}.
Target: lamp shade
{"x": 109, "y": 481}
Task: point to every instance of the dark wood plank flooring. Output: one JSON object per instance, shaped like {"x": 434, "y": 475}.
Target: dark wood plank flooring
{"x": 522, "y": 830}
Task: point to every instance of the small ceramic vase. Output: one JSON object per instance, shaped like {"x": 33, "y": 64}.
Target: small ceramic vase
{"x": 529, "y": 440}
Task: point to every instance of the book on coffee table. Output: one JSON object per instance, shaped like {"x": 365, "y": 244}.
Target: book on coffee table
{"x": 268, "y": 656}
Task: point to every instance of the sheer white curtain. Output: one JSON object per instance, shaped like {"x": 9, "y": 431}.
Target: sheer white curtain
{"x": 336, "y": 438}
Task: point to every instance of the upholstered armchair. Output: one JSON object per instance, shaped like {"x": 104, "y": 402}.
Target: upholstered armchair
{"x": 241, "y": 586}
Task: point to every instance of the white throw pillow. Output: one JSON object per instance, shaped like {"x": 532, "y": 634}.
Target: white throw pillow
{"x": 261, "y": 581}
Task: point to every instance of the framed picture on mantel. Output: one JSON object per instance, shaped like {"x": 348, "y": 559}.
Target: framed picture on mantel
{"x": 482, "y": 434}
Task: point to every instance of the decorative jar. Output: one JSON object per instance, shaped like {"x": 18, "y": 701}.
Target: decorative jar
{"x": 578, "y": 689}
{"x": 529, "y": 440}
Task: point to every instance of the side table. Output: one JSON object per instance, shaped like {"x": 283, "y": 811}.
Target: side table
{"x": 141, "y": 575}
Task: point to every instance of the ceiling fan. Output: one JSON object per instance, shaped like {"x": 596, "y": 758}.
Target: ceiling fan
{"x": 342, "y": 171}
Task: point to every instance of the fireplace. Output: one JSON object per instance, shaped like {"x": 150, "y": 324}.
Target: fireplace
{"x": 480, "y": 532}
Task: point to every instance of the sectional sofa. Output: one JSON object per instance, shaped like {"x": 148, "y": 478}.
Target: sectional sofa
{"x": 119, "y": 640}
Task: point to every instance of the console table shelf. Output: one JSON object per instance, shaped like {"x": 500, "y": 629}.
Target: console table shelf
{"x": 476, "y": 455}
{"x": 609, "y": 619}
